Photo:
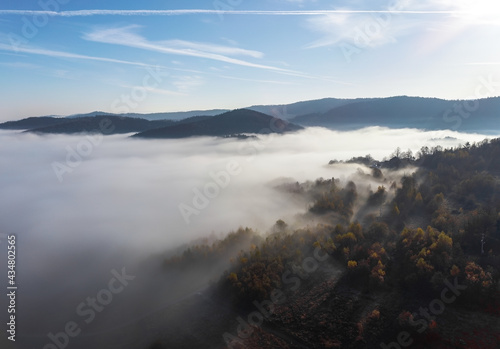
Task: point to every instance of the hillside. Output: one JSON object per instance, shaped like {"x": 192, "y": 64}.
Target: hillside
{"x": 317, "y": 106}
{"x": 158, "y": 116}
{"x": 233, "y": 122}
{"x": 349, "y": 283}
{"x": 481, "y": 115}
{"x": 105, "y": 124}
{"x": 33, "y": 122}
{"x": 403, "y": 111}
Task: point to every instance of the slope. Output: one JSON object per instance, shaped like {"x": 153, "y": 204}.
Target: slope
{"x": 233, "y": 122}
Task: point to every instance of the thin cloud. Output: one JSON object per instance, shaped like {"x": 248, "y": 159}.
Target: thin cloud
{"x": 185, "y": 84}
{"x": 62, "y": 54}
{"x": 12, "y": 54}
{"x": 338, "y": 28}
{"x": 213, "y": 48}
{"x": 126, "y": 37}
{"x": 154, "y": 90}
{"x": 83, "y": 13}
{"x": 258, "y": 80}
{"x": 19, "y": 65}
{"x": 377, "y": 28}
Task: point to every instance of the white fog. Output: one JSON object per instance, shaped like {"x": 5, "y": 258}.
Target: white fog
{"x": 121, "y": 203}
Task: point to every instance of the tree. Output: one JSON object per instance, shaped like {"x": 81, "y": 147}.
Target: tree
{"x": 352, "y": 264}
{"x": 280, "y": 226}
{"x": 377, "y": 173}
{"x": 395, "y": 210}
{"x": 418, "y": 198}
{"x": 408, "y": 155}
{"x": 396, "y": 153}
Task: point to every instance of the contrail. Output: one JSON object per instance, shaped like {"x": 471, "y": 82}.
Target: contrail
{"x": 82, "y": 13}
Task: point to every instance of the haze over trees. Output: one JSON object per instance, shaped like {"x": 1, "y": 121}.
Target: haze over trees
{"x": 351, "y": 260}
{"x": 437, "y": 226}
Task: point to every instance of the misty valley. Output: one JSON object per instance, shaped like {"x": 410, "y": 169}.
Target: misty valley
{"x": 229, "y": 174}
{"x": 245, "y": 230}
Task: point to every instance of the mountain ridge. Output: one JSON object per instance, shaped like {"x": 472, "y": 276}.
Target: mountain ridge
{"x": 239, "y": 121}
{"x": 228, "y": 124}
{"x": 179, "y": 115}
{"x": 413, "y": 112}
{"x": 477, "y": 115}
{"x": 106, "y": 124}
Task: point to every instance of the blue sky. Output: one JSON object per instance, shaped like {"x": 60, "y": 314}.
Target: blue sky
{"x": 130, "y": 56}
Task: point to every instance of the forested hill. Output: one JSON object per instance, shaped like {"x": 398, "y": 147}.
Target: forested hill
{"x": 414, "y": 112}
{"x": 479, "y": 115}
{"x": 377, "y": 265}
{"x": 33, "y": 122}
{"x": 105, "y": 124}
{"x": 233, "y": 122}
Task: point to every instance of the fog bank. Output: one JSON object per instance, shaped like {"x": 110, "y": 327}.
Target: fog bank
{"x": 81, "y": 206}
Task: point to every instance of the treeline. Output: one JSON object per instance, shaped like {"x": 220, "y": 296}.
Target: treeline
{"x": 441, "y": 223}
{"x": 455, "y": 209}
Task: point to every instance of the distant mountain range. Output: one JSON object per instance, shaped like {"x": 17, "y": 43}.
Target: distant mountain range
{"x": 32, "y": 123}
{"x": 482, "y": 115}
{"x": 107, "y": 124}
{"x": 157, "y": 116}
{"x": 232, "y": 123}
{"x": 317, "y": 106}
{"x": 416, "y": 112}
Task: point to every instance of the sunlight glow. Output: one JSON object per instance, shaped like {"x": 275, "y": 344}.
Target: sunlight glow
{"x": 479, "y": 8}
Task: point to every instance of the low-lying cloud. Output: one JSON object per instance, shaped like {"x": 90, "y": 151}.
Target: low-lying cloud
{"x": 126, "y": 192}
{"x": 122, "y": 200}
